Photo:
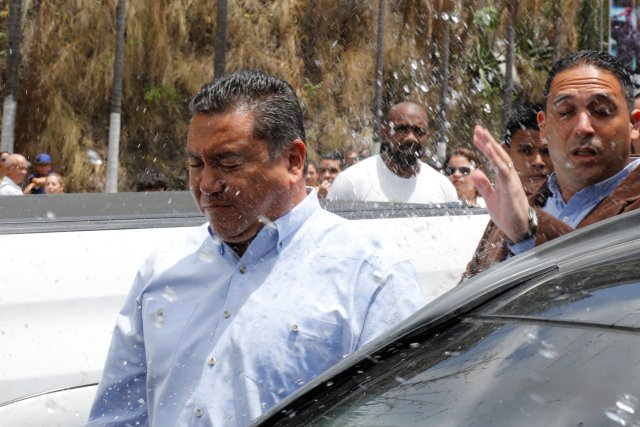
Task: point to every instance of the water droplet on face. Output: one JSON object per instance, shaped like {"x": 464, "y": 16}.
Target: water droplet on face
{"x": 169, "y": 294}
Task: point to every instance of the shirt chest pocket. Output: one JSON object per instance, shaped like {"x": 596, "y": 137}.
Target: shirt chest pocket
{"x": 289, "y": 349}
{"x": 164, "y": 324}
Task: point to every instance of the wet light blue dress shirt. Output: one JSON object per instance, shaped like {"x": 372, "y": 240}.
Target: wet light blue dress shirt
{"x": 579, "y": 206}
{"x": 209, "y": 339}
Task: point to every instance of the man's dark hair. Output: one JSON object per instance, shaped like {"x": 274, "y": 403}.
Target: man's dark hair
{"x": 523, "y": 117}
{"x": 333, "y": 155}
{"x": 597, "y": 59}
{"x": 276, "y": 112}
{"x": 151, "y": 181}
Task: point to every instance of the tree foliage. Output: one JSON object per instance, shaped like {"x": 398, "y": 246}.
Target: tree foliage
{"x": 325, "y": 48}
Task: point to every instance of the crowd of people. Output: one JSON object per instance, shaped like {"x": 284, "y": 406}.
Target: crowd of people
{"x": 274, "y": 290}
{"x": 14, "y": 169}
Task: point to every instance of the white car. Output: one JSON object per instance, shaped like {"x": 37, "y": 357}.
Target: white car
{"x": 70, "y": 259}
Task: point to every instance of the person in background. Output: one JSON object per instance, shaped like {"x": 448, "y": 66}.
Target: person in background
{"x": 331, "y": 164}
{"x": 233, "y": 316}
{"x": 397, "y": 174}
{"x": 54, "y": 184}
{"x": 529, "y": 154}
{"x": 37, "y": 179}
{"x": 16, "y": 169}
{"x": 310, "y": 173}
{"x": 150, "y": 180}
{"x": 635, "y": 142}
{"x": 4, "y": 155}
{"x": 458, "y": 166}
{"x": 351, "y": 157}
{"x": 588, "y": 123}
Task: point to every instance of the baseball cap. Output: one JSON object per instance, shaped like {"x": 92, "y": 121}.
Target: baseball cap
{"x": 43, "y": 159}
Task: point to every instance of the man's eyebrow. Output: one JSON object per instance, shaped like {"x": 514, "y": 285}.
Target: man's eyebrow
{"x": 561, "y": 98}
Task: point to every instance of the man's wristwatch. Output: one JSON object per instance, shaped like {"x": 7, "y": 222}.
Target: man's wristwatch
{"x": 533, "y": 226}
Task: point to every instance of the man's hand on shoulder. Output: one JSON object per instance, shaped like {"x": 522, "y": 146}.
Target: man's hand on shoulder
{"x": 506, "y": 201}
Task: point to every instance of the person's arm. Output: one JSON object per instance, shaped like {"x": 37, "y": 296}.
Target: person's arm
{"x": 121, "y": 399}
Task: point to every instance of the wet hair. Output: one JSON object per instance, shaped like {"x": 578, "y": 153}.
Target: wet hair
{"x": 277, "y": 116}
{"x": 468, "y": 154}
{"x": 523, "y": 117}
{"x": 151, "y": 180}
{"x": 597, "y": 59}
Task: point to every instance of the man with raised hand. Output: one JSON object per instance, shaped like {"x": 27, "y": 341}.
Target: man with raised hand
{"x": 588, "y": 123}
{"x": 227, "y": 321}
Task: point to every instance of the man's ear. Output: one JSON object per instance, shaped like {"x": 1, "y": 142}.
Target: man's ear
{"x": 635, "y": 124}
{"x": 541, "y": 117}
{"x": 296, "y": 155}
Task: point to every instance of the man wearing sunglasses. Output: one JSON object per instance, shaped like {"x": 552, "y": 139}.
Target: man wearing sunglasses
{"x": 397, "y": 174}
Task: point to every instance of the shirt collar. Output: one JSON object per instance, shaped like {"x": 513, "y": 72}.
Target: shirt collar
{"x": 277, "y": 233}
{"x": 597, "y": 190}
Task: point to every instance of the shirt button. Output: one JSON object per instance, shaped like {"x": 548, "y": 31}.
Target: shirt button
{"x": 198, "y": 412}
{"x": 565, "y": 219}
{"x": 243, "y": 269}
{"x": 226, "y": 314}
{"x": 295, "y": 327}
{"x": 212, "y": 361}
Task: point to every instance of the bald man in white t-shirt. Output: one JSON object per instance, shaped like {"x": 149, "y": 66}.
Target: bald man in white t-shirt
{"x": 397, "y": 174}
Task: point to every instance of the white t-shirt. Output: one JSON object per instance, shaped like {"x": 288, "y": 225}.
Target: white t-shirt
{"x": 371, "y": 181}
{"x": 9, "y": 188}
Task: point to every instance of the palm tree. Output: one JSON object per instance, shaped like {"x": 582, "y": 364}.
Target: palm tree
{"x": 512, "y": 10}
{"x": 219, "y": 61}
{"x": 377, "y": 97}
{"x": 13, "y": 65}
{"x": 116, "y": 101}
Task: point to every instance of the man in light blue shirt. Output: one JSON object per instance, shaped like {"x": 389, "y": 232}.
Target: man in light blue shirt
{"x": 588, "y": 123}
{"x": 221, "y": 325}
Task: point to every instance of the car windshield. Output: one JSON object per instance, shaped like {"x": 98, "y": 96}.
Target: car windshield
{"x": 528, "y": 358}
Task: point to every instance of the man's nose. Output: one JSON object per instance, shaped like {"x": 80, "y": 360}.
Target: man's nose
{"x": 211, "y": 181}
{"x": 583, "y": 127}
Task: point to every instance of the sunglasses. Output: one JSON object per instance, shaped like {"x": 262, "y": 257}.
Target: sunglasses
{"x": 464, "y": 170}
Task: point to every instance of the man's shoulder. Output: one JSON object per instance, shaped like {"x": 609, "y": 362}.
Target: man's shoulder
{"x": 342, "y": 239}
{"x": 362, "y": 168}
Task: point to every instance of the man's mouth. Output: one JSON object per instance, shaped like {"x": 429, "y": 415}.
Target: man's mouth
{"x": 588, "y": 151}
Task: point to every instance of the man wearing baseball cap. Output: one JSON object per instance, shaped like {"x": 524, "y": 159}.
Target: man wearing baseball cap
{"x": 42, "y": 169}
